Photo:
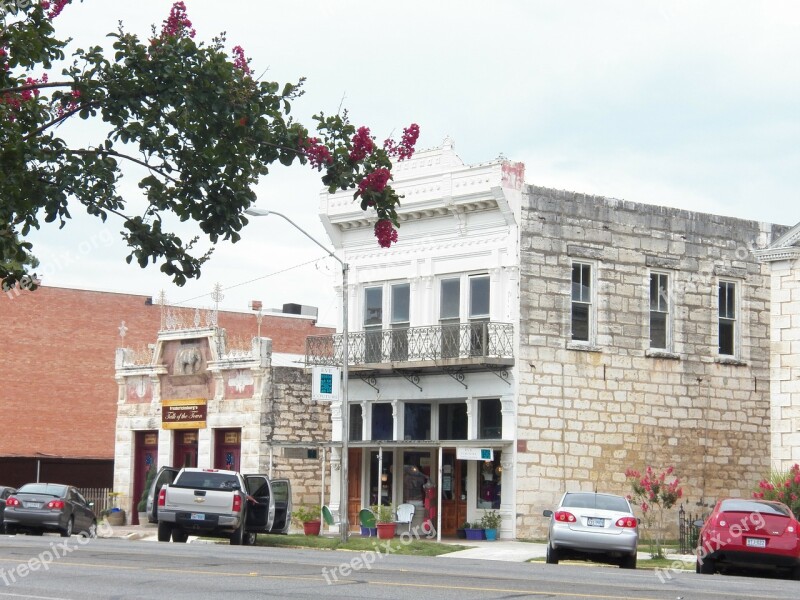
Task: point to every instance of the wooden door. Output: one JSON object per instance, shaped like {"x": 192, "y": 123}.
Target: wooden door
{"x": 353, "y": 486}
{"x": 228, "y": 449}
{"x": 185, "y": 452}
{"x": 146, "y": 458}
{"x": 454, "y": 492}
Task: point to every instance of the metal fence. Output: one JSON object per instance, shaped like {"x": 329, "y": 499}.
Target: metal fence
{"x": 477, "y": 339}
{"x": 688, "y": 532}
{"x": 100, "y": 496}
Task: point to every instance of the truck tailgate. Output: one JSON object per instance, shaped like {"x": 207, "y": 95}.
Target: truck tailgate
{"x": 216, "y": 501}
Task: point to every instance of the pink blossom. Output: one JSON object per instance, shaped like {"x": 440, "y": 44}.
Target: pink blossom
{"x": 240, "y": 61}
{"x": 362, "y": 144}
{"x": 376, "y": 180}
{"x": 385, "y": 233}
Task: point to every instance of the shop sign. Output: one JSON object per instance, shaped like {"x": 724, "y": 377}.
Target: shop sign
{"x": 184, "y": 414}
{"x": 325, "y": 383}
{"x": 474, "y": 454}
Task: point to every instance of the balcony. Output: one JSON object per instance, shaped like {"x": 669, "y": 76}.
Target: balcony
{"x": 468, "y": 346}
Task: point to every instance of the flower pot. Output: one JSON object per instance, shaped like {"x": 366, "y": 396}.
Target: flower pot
{"x": 386, "y": 531}
{"x": 491, "y": 534}
{"x": 365, "y": 532}
{"x": 461, "y": 534}
{"x": 373, "y": 531}
{"x": 474, "y": 534}
{"x": 312, "y": 527}
{"x": 116, "y": 517}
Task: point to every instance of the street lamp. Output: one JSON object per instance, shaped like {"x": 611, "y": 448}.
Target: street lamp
{"x": 343, "y": 492}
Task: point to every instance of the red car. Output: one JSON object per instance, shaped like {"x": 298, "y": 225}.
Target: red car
{"x": 749, "y": 534}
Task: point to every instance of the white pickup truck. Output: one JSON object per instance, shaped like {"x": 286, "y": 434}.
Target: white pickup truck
{"x": 217, "y": 503}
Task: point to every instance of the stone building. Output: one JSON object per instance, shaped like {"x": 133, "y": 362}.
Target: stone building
{"x": 782, "y": 257}
{"x": 197, "y": 400}
{"x": 644, "y": 341}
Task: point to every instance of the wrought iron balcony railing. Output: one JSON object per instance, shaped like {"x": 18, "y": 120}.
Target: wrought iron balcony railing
{"x": 476, "y": 342}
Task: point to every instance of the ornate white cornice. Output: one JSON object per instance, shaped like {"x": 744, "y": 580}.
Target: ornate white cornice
{"x": 775, "y": 254}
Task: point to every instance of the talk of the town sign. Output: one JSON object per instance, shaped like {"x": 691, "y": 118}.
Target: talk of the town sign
{"x": 184, "y": 414}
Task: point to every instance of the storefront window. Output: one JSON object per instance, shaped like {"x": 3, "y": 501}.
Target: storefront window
{"x": 453, "y": 421}
{"x": 416, "y": 471}
{"x": 356, "y": 422}
{"x": 380, "y": 478}
{"x": 417, "y": 421}
{"x": 490, "y": 420}
{"x": 489, "y": 476}
{"x": 382, "y": 422}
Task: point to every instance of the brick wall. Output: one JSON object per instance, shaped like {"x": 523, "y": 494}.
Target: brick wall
{"x": 585, "y": 415}
{"x": 57, "y": 349}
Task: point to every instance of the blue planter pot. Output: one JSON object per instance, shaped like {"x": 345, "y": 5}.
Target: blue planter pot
{"x": 491, "y": 534}
{"x": 474, "y": 534}
{"x": 365, "y": 532}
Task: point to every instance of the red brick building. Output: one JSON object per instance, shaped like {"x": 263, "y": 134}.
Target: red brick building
{"x": 58, "y": 396}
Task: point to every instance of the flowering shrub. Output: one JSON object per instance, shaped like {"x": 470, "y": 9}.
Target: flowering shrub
{"x": 653, "y": 495}
{"x": 783, "y": 486}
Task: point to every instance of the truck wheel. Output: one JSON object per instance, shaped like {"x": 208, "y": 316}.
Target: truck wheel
{"x": 179, "y": 536}
{"x": 249, "y": 539}
{"x": 237, "y": 537}
{"x": 164, "y": 532}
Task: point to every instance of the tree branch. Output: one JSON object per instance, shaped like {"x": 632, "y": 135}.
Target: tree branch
{"x": 130, "y": 158}
{"x": 37, "y": 86}
{"x": 57, "y": 120}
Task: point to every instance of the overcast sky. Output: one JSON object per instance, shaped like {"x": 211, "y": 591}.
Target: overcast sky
{"x": 685, "y": 103}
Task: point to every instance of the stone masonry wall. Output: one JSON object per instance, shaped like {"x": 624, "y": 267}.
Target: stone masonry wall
{"x": 290, "y": 416}
{"x": 785, "y": 363}
{"x": 586, "y": 415}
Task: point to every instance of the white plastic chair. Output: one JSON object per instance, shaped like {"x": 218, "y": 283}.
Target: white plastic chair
{"x": 405, "y": 514}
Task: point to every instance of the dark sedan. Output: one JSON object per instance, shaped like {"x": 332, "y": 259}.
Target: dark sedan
{"x": 5, "y": 492}
{"x": 39, "y": 507}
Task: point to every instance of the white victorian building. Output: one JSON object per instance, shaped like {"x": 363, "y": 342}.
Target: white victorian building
{"x": 433, "y": 338}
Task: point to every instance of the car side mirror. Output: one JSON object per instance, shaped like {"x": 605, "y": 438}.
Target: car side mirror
{"x": 698, "y": 523}
{"x": 547, "y": 513}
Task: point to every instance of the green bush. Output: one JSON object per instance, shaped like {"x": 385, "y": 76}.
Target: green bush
{"x": 148, "y": 483}
{"x": 491, "y": 520}
{"x": 305, "y": 513}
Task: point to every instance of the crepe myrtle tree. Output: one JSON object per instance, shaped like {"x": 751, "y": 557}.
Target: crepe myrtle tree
{"x": 195, "y": 122}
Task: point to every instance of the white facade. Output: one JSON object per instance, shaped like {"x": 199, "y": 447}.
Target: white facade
{"x": 456, "y": 263}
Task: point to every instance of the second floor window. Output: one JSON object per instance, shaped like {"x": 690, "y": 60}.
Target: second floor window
{"x": 727, "y": 318}
{"x": 373, "y": 324}
{"x": 659, "y": 311}
{"x": 581, "y": 302}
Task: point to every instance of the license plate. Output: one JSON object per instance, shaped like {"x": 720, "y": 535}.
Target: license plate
{"x": 594, "y": 522}
{"x": 756, "y": 542}
{"x": 198, "y": 517}
{"x": 33, "y": 505}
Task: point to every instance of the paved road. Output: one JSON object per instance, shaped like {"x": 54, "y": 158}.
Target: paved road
{"x": 45, "y": 569}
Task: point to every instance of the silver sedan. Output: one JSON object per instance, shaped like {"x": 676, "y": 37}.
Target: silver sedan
{"x": 591, "y": 526}
{"x": 39, "y": 507}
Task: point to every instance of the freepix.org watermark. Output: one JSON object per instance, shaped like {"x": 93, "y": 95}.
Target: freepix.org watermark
{"x": 56, "y": 551}
{"x": 718, "y": 541}
{"x": 366, "y": 559}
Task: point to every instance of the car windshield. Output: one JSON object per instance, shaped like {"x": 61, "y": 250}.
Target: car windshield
{"x": 598, "y": 501}
{"x": 50, "y": 489}
{"x": 754, "y": 506}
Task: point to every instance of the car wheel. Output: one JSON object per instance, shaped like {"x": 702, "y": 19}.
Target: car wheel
{"x": 10, "y": 529}
{"x": 552, "y": 555}
{"x": 237, "y": 537}
{"x": 249, "y": 539}
{"x": 67, "y": 532}
{"x": 179, "y": 536}
{"x": 706, "y": 566}
{"x": 164, "y": 532}
{"x": 629, "y": 562}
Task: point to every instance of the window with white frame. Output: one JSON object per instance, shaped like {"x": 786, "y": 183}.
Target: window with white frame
{"x": 455, "y": 309}
{"x": 659, "y": 311}
{"x": 582, "y": 315}
{"x": 400, "y": 309}
{"x": 728, "y": 318}
{"x": 373, "y": 324}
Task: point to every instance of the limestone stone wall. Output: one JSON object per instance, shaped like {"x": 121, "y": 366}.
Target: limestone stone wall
{"x": 588, "y": 412}
{"x": 290, "y": 418}
{"x": 785, "y": 363}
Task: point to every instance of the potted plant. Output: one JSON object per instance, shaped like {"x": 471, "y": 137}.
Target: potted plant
{"x": 384, "y": 516}
{"x": 114, "y": 515}
{"x": 474, "y": 531}
{"x": 308, "y": 516}
{"x": 141, "y": 507}
{"x": 491, "y": 523}
{"x": 461, "y": 532}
